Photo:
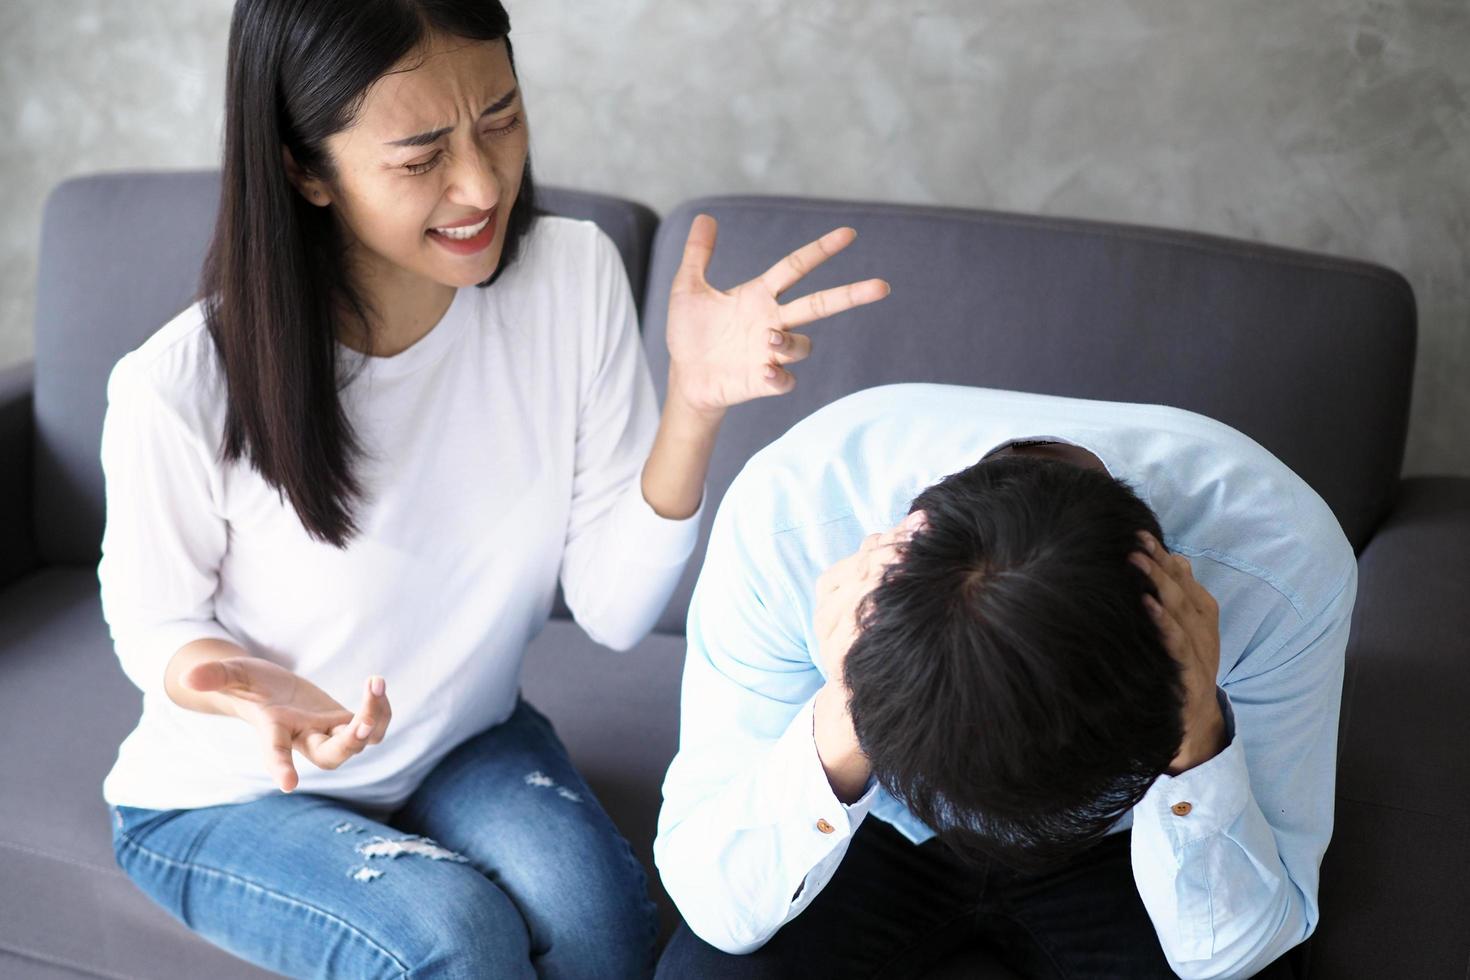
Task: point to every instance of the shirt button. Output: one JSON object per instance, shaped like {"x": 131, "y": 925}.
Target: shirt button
{"x": 824, "y": 826}
{"x": 1182, "y": 809}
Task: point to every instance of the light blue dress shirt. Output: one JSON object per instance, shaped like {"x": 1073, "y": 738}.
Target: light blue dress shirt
{"x": 750, "y": 830}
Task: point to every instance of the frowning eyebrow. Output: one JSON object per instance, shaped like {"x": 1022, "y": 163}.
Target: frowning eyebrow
{"x": 424, "y": 139}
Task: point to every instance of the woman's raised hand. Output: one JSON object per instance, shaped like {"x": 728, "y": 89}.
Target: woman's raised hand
{"x": 728, "y": 347}
{"x": 291, "y": 713}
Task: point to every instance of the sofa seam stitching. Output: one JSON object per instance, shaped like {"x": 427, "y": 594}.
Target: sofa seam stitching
{"x": 40, "y": 957}
{"x": 38, "y": 852}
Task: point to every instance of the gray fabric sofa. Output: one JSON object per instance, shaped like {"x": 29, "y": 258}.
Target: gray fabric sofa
{"x": 1310, "y": 355}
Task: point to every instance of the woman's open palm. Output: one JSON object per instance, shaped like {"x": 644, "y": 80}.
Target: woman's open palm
{"x": 291, "y": 713}
{"x": 728, "y": 347}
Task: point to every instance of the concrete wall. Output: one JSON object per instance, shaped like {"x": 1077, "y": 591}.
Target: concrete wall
{"x": 1336, "y": 125}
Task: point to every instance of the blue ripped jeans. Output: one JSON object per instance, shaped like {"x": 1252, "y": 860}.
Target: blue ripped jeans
{"x": 501, "y": 864}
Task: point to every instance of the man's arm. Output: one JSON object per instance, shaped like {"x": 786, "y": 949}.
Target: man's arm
{"x": 750, "y": 829}
{"x": 1226, "y": 852}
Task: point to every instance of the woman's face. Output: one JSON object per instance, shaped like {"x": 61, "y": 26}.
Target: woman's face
{"x": 428, "y": 172}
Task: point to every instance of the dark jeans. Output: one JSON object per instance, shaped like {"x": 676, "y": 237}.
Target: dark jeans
{"x": 501, "y": 864}
{"x": 894, "y": 909}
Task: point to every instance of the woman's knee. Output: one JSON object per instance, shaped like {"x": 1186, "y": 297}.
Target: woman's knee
{"x": 597, "y": 921}
{"x": 463, "y": 926}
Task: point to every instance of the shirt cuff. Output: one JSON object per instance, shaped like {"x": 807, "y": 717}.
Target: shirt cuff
{"x": 817, "y": 825}
{"x": 1202, "y": 801}
{"x": 650, "y": 539}
{"x": 806, "y": 797}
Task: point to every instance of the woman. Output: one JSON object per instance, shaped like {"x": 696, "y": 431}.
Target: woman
{"x": 347, "y": 465}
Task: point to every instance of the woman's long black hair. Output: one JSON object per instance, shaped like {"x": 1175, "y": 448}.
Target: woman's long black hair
{"x": 276, "y": 278}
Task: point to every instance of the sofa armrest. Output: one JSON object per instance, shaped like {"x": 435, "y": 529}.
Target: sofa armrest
{"x": 17, "y": 440}
{"x": 1395, "y": 896}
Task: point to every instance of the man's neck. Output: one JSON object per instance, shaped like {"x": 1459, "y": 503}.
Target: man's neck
{"x": 1062, "y": 451}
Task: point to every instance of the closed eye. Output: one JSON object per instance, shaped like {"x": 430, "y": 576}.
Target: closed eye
{"x": 510, "y": 126}
{"x": 425, "y": 167}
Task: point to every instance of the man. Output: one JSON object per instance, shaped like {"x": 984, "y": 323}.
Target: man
{"x": 1102, "y": 658}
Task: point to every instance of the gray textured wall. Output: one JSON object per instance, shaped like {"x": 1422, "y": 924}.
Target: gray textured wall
{"x": 1336, "y": 125}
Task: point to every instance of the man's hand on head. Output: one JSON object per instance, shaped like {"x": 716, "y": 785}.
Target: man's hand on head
{"x": 841, "y": 589}
{"x": 840, "y": 592}
{"x": 1188, "y": 618}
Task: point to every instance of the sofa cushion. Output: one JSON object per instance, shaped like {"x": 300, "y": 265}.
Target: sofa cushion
{"x": 1394, "y": 886}
{"x": 1309, "y": 355}
{"x": 64, "y": 708}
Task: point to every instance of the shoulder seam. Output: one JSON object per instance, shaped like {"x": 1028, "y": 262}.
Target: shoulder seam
{"x": 151, "y": 393}
{"x": 199, "y": 327}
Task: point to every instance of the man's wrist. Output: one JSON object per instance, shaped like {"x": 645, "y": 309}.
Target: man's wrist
{"x": 837, "y": 744}
{"x": 1204, "y": 738}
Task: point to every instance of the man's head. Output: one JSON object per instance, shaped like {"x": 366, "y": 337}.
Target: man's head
{"x": 1007, "y": 683}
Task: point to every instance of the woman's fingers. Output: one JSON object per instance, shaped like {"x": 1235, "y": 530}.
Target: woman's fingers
{"x": 777, "y": 380}
{"x": 329, "y": 750}
{"x": 788, "y": 272}
{"x": 278, "y": 761}
{"x": 790, "y": 347}
{"x": 381, "y": 711}
{"x": 699, "y": 248}
{"x": 315, "y": 746}
{"x": 830, "y": 302}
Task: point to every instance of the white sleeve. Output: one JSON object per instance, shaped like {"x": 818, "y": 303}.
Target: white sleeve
{"x": 622, "y": 560}
{"x": 750, "y": 830}
{"x": 1227, "y": 855}
{"x": 163, "y": 539}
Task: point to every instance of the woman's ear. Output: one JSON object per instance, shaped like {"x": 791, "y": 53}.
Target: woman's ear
{"x": 311, "y": 188}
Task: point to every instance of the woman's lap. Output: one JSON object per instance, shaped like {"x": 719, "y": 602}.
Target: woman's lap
{"x": 574, "y": 877}
{"x": 307, "y": 886}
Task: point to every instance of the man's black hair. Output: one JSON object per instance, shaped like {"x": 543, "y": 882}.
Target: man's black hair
{"x": 1007, "y": 683}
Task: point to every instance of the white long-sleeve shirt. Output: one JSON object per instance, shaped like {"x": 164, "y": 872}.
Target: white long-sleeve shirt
{"x": 750, "y": 831}
{"x": 504, "y": 450}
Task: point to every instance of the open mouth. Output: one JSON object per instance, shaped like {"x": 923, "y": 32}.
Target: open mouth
{"x": 466, "y": 239}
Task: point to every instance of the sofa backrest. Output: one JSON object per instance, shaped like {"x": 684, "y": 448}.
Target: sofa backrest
{"x": 120, "y": 257}
{"x": 1309, "y": 355}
